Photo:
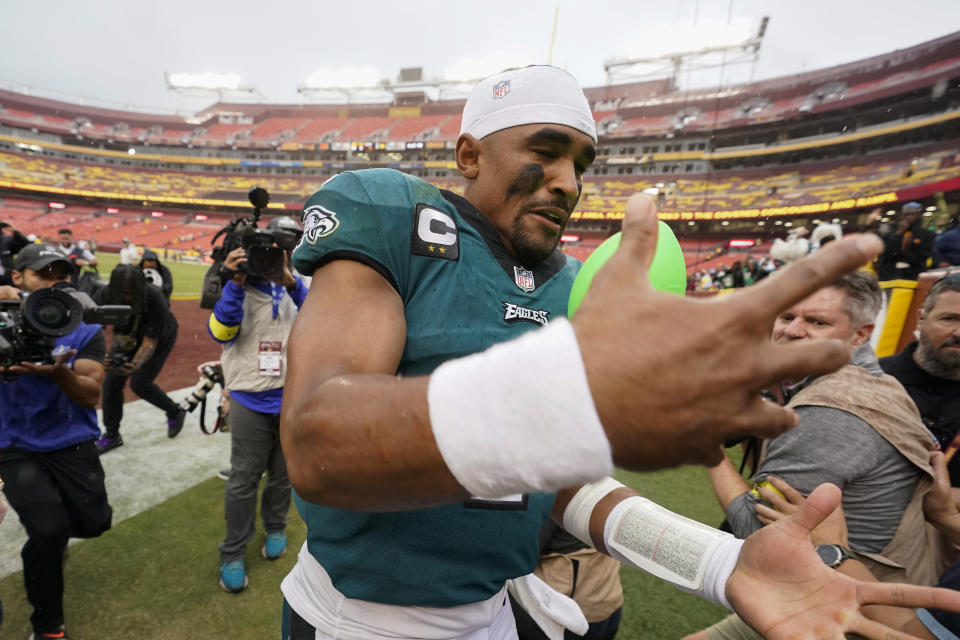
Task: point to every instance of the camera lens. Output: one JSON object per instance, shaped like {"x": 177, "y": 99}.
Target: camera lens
{"x": 265, "y": 261}
{"x": 52, "y": 312}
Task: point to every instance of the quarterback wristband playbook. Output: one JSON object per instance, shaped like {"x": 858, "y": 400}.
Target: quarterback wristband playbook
{"x": 685, "y": 553}
{"x": 519, "y": 417}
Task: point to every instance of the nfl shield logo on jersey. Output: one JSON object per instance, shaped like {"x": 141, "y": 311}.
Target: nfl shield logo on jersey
{"x": 501, "y": 89}
{"x": 523, "y": 278}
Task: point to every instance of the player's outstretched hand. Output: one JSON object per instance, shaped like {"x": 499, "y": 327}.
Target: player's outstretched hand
{"x": 783, "y": 590}
{"x": 673, "y": 378}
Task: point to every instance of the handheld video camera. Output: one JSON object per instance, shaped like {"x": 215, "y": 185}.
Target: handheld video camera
{"x": 118, "y": 358}
{"x": 29, "y": 327}
{"x": 264, "y": 259}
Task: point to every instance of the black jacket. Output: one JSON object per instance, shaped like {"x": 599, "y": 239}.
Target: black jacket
{"x": 165, "y": 274}
{"x": 918, "y": 250}
{"x": 937, "y": 399}
{"x": 10, "y": 245}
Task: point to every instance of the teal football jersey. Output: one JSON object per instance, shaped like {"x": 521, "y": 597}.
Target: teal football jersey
{"x": 462, "y": 293}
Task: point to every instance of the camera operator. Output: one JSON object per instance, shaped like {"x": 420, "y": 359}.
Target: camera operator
{"x": 252, "y": 321}
{"x": 10, "y": 244}
{"x": 139, "y": 349}
{"x": 48, "y": 457}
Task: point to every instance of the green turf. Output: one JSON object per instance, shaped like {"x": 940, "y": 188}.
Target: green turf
{"x": 155, "y": 575}
{"x": 652, "y": 609}
{"x": 187, "y": 276}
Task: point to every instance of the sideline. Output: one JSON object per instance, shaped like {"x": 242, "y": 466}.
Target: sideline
{"x": 148, "y": 469}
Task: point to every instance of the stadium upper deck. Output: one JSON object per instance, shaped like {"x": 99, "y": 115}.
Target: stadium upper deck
{"x": 651, "y": 108}
{"x": 843, "y": 139}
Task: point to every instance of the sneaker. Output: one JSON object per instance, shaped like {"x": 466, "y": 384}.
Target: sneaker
{"x": 233, "y": 576}
{"x": 58, "y": 634}
{"x": 224, "y": 474}
{"x": 275, "y": 546}
{"x": 108, "y": 443}
{"x": 175, "y": 423}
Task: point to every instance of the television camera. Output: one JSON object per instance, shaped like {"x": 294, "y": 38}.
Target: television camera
{"x": 29, "y": 327}
{"x": 264, "y": 248}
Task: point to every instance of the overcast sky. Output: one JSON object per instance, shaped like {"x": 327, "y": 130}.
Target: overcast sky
{"x": 117, "y": 50}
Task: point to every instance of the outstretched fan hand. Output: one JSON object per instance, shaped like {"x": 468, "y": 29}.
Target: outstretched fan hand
{"x": 784, "y": 591}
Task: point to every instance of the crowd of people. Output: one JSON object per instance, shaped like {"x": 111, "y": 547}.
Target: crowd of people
{"x": 742, "y": 273}
{"x": 448, "y": 441}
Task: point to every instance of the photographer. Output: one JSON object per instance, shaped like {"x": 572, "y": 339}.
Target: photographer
{"x": 139, "y": 349}
{"x": 48, "y": 457}
{"x": 252, "y": 321}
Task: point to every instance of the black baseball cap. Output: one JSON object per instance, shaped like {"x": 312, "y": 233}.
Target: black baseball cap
{"x": 37, "y": 256}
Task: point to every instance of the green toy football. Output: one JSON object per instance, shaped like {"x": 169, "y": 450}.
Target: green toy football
{"x": 668, "y": 272}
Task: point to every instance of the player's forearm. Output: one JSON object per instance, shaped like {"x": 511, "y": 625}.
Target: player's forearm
{"x": 599, "y": 514}
{"x": 345, "y": 451}
{"x": 617, "y": 521}
{"x": 81, "y": 389}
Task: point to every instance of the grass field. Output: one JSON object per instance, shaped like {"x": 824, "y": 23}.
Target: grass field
{"x": 187, "y": 276}
{"x": 155, "y": 575}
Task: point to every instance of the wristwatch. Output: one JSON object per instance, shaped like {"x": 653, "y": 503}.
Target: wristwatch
{"x": 833, "y": 555}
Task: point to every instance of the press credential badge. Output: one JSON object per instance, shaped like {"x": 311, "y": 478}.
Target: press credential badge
{"x": 270, "y": 358}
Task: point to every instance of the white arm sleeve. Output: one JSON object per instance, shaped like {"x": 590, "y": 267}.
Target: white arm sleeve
{"x": 685, "y": 553}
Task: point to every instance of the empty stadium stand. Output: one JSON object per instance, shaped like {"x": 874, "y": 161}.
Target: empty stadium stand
{"x": 770, "y": 149}
{"x": 641, "y": 109}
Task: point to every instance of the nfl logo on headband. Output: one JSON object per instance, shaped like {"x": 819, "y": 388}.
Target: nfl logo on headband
{"x": 544, "y": 95}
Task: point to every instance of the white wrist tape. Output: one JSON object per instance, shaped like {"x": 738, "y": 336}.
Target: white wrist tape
{"x": 576, "y": 517}
{"x": 685, "y": 553}
{"x": 519, "y": 416}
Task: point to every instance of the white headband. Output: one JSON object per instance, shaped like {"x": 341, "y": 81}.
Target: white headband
{"x": 531, "y": 95}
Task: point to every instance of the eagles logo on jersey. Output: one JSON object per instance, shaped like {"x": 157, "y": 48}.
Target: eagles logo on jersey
{"x": 515, "y": 313}
{"x": 318, "y": 222}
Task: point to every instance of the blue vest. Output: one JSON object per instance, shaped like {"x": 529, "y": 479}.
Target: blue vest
{"x": 35, "y": 415}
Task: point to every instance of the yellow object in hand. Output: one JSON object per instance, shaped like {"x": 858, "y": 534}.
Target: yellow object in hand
{"x": 768, "y": 485}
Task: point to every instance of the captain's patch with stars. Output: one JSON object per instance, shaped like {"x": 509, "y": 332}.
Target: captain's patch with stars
{"x": 434, "y": 234}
